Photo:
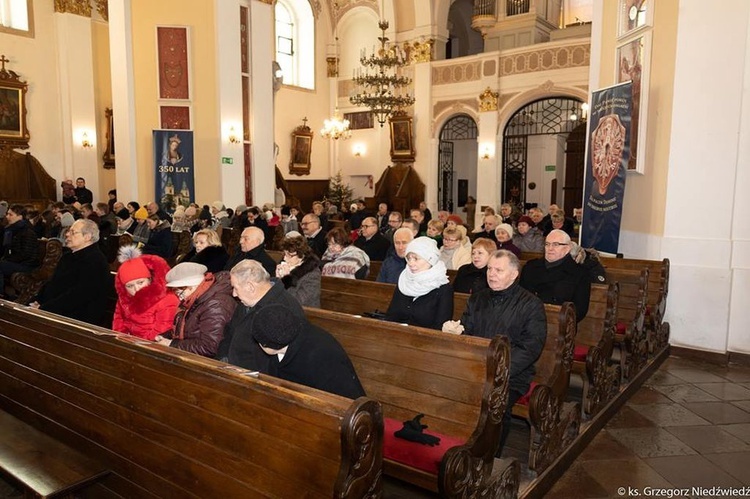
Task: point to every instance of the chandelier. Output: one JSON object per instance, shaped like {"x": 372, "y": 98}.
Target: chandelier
{"x": 336, "y": 128}
{"x": 381, "y": 88}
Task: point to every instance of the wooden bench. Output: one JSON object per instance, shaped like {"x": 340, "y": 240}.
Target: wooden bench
{"x": 28, "y": 284}
{"x": 171, "y": 424}
{"x": 593, "y": 351}
{"x": 554, "y": 422}
{"x": 356, "y": 297}
{"x": 631, "y": 339}
{"x": 40, "y": 464}
{"x": 459, "y": 383}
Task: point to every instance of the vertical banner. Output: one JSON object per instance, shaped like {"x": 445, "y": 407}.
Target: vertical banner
{"x": 608, "y": 152}
{"x": 173, "y": 160}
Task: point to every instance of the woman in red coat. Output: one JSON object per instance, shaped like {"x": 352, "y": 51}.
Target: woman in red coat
{"x": 145, "y": 307}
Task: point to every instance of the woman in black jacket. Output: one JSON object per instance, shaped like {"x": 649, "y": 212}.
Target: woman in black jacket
{"x": 423, "y": 296}
{"x": 472, "y": 277}
{"x": 159, "y": 239}
{"x": 207, "y": 250}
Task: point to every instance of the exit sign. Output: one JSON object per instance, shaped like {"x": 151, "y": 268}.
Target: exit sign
{"x": 549, "y": 168}
{"x": 227, "y": 161}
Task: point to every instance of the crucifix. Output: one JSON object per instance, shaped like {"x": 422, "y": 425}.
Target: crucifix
{"x": 3, "y": 60}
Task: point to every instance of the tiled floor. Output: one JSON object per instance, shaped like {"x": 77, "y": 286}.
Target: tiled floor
{"x": 688, "y": 426}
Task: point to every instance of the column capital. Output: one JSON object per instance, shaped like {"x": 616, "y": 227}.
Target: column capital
{"x": 77, "y": 7}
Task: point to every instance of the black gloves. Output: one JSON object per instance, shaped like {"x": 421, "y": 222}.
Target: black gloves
{"x": 412, "y": 431}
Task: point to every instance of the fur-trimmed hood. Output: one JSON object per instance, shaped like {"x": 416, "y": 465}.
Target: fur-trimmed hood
{"x": 308, "y": 265}
{"x": 149, "y": 296}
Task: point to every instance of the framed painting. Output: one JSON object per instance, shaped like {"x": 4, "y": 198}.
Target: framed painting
{"x": 109, "y": 134}
{"x": 174, "y": 117}
{"x": 633, "y": 64}
{"x": 402, "y": 143}
{"x": 299, "y": 163}
{"x": 634, "y": 15}
{"x": 173, "y": 56}
{"x": 13, "y": 131}
{"x": 360, "y": 120}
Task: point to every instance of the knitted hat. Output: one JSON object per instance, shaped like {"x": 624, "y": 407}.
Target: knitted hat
{"x": 276, "y": 326}
{"x": 186, "y": 274}
{"x": 241, "y": 208}
{"x": 507, "y": 228}
{"x": 132, "y": 265}
{"x": 456, "y": 219}
{"x": 218, "y": 205}
{"x": 140, "y": 214}
{"x": 426, "y": 248}
{"x": 527, "y": 220}
{"x": 66, "y": 220}
{"x": 123, "y": 214}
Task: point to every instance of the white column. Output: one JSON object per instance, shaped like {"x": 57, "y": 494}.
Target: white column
{"x": 425, "y": 161}
{"x": 229, "y": 69}
{"x": 123, "y": 98}
{"x": 78, "y": 113}
{"x": 262, "y": 117}
{"x": 333, "y": 145}
{"x": 488, "y": 170}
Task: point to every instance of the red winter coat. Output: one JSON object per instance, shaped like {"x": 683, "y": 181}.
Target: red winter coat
{"x": 151, "y": 311}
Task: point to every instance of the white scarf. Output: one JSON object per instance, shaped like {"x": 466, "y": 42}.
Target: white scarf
{"x": 420, "y": 284}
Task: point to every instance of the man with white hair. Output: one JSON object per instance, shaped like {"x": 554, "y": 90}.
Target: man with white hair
{"x": 395, "y": 263}
{"x": 251, "y": 248}
{"x": 557, "y": 278}
{"x": 490, "y": 224}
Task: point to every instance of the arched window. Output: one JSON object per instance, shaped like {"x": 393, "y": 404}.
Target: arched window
{"x": 16, "y": 18}
{"x": 295, "y": 42}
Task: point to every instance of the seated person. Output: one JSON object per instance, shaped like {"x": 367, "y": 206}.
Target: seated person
{"x": 423, "y": 296}
{"x": 251, "y": 248}
{"x": 472, "y": 277}
{"x": 206, "y": 306}
{"x": 303, "y": 353}
{"x": 395, "y": 263}
{"x": 454, "y": 253}
{"x": 488, "y": 227}
{"x": 558, "y": 220}
{"x": 207, "y": 250}
{"x": 20, "y": 246}
{"x": 145, "y": 308}
{"x": 453, "y": 221}
{"x": 371, "y": 241}
{"x": 504, "y": 237}
{"x": 341, "y": 259}
{"x": 528, "y": 237}
{"x": 299, "y": 271}
{"x": 435, "y": 231}
{"x": 557, "y": 278}
{"x": 159, "y": 237}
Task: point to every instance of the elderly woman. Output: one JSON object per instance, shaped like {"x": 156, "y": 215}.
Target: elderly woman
{"x": 144, "y": 307}
{"x": 341, "y": 259}
{"x": 504, "y": 236}
{"x": 454, "y": 254}
{"x": 299, "y": 271}
{"x": 472, "y": 277}
{"x": 207, "y": 250}
{"x": 423, "y": 295}
{"x": 528, "y": 238}
{"x": 206, "y": 307}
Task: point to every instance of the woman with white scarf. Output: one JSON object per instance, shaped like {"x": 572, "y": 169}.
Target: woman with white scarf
{"x": 423, "y": 296}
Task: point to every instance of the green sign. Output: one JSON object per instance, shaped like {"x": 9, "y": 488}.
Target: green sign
{"x": 230, "y": 161}
{"x": 549, "y": 168}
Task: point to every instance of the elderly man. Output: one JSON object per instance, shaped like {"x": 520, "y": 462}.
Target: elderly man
{"x": 82, "y": 286}
{"x": 395, "y": 263}
{"x": 316, "y": 237}
{"x": 154, "y": 209}
{"x": 251, "y": 284}
{"x": 371, "y": 241}
{"x": 251, "y": 248}
{"x": 394, "y": 223}
{"x": 506, "y": 308}
{"x": 557, "y": 278}
{"x": 382, "y": 216}
{"x": 490, "y": 224}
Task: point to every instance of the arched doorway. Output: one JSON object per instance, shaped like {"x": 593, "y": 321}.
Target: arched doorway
{"x": 535, "y": 159}
{"x": 457, "y": 162}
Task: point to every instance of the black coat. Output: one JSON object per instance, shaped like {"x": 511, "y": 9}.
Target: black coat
{"x": 430, "y": 310}
{"x": 318, "y": 243}
{"x": 376, "y": 247}
{"x": 159, "y": 241}
{"x": 213, "y": 257}
{"x": 517, "y": 314}
{"x": 23, "y": 246}
{"x": 81, "y": 288}
{"x": 83, "y": 195}
{"x": 470, "y": 279}
{"x": 259, "y": 255}
{"x": 565, "y": 281}
{"x": 314, "y": 358}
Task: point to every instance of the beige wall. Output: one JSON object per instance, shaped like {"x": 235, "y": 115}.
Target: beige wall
{"x": 103, "y": 98}
{"x": 645, "y": 195}
{"x": 199, "y": 16}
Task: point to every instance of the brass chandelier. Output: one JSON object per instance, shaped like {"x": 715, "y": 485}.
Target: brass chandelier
{"x": 381, "y": 89}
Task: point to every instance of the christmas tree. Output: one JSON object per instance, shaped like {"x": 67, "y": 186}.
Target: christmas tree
{"x": 339, "y": 193}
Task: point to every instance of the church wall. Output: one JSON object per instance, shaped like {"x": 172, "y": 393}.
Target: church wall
{"x": 103, "y": 100}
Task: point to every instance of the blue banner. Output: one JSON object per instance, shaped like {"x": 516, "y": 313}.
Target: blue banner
{"x": 173, "y": 160}
{"x": 608, "y": 151}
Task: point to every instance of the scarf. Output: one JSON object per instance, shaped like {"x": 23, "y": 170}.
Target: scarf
{"x": 420, "y": 284}
{"x": 208, "y": 281}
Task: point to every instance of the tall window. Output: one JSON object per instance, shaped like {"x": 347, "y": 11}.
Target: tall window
{"x": 295, "y": 42}
{"x": 16, "y": 18}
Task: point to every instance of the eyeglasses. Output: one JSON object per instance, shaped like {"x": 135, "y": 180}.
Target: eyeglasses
{"x": 74, "y": 232}
{"x": 554, "y": 245}
{"x": 306, "y": 223}
{"x": 450, "y": 240}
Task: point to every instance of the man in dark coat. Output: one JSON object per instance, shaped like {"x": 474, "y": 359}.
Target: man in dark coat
{"x": 395, "y": 263}
{"x": 371, "y": 241}
{"x": 508, "y": 309}
{"x": 83, "y": 195}
{"x": 303, "y": 353}
{"x": 20, "y": 248}
{"x": 251, "y": 284}
{"x": 557, "y": 278}
{"x": 81, "y": 287}
{"x": 251, "y": 248}
{"x": 314, "y": 233}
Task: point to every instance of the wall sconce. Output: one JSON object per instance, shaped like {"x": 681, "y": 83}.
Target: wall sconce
{"x": 487, "y": 151}
{"x": 233, "y": 138}
{"x": 85, "y": 142}
{"x": 358, "y": 150}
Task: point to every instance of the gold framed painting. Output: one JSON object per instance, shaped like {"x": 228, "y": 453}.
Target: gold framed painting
{"x": 299, "y": 162}
{"x": 13, "y": 131}
{"x": 402, "y": 142}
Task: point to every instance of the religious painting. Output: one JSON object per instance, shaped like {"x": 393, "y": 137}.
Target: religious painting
{"x": 299, "y": 163}
{"x": 13, "y": 131}
{"x": 360, "y": 120}
{"x": 633, "y": 61}
{"x": 402, "y": 144}
{"x": 109, "y": 134}
{"x": 175, "y": 117}
{"x": 634, "y": 15}
{"x": 173, "y": 168}
{"x": 174, "y": 62}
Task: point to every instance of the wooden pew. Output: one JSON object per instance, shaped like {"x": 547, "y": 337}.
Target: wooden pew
{"x": 630, "y": 336}
{"x": 356, "y": 297}
{"x": 554, "y": 422}
{"x": 171, "y": 424}
{"x": 28, "y": 284}
{"x": 593, "y": 351}
{"x": 459, "y": 383}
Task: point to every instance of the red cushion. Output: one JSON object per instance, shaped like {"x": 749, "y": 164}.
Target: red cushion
{"x": 527, "y": 396}
{"x": 423, "y": 457}
{"x": 580, "y": 352}
{"x": 621, "y": 328}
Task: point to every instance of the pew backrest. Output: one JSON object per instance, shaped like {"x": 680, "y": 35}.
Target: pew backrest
{"x": 28, "y": 284}
{"x": 598, "y": 327}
